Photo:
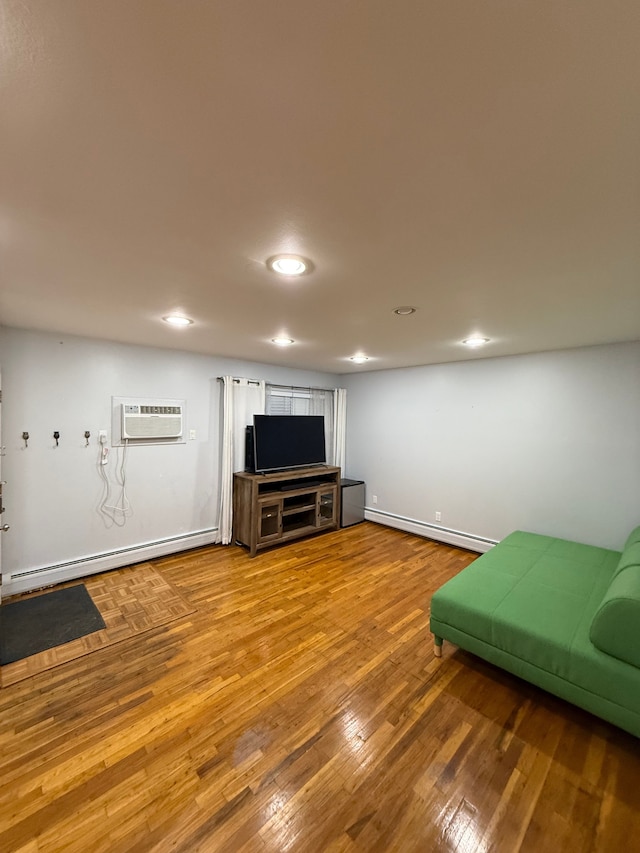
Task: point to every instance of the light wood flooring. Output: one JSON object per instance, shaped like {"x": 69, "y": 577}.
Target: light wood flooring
{"x": 300, "y": 708}
{"x": 130, "y": 603}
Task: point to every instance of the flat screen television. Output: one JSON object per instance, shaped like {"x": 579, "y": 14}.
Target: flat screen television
{"x": 288, "y": 441}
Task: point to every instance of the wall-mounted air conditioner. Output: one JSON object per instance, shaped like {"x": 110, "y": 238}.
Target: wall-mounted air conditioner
{"x": 140, "y": 421}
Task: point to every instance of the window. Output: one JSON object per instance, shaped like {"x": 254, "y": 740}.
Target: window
{"x": 288, "y": 401}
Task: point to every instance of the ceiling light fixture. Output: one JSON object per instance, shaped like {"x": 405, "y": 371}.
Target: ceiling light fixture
{"x": 404, "y": 310}
{"x": 177, "y": 320}
{"x": 282, "y": 342}
{"x": 359, "y": 359}
{"x": 289, "y": 264}
{"x": 475, "y": 341}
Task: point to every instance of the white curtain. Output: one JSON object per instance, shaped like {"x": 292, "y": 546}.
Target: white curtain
{"x": 241, "y": 400}
{"x": 321, "y": 403}
{"x": 340, "y": 427}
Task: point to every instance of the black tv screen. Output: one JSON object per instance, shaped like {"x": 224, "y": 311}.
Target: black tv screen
{"x": 288, "y": 441}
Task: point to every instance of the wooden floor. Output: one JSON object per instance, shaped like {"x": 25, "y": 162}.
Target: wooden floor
{"x": 301, "y": 708}
{"x": 129, "y": 602}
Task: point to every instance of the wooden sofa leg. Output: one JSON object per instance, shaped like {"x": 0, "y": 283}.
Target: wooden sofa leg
{"x": 437, "y": 646}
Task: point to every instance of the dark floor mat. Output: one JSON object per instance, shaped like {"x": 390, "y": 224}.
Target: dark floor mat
{"x": 35, "y": 624}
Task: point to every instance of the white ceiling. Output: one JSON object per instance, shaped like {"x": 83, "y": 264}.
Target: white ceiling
{"x": 478, "y": 160}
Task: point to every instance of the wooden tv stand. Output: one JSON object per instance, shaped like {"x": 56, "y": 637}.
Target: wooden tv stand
{"x": 272, "y": 508}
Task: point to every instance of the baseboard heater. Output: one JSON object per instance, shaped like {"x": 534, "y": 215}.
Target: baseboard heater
{"x": 42, "y": 576}
{"x": 459, "y": 538}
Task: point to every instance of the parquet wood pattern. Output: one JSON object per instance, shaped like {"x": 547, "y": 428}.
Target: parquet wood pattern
{"x": 300, "y": 708}
{"x": 130, "y": 602}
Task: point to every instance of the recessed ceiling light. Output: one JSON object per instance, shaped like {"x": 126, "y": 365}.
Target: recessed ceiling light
{"x": 359, "y": 359}
{"x": 283, "y": 342}
{"x": 289, "y": 264}
{"x": 475, "y": 341}
{"x": 177, "y": 320}
{"x": 404, "y": 310}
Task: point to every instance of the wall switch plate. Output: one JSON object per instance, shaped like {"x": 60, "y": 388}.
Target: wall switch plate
{"x": 438, "y": 516}
{"x": 192, "y": 435}
{"x": 374, "y": 499}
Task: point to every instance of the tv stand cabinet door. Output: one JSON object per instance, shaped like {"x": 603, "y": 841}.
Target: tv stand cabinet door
{"x": 327, "y": 507}
{"x": 269, "y": 520}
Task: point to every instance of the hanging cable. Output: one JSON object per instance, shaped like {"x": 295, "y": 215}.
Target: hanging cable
{"x": 118, "y": 512}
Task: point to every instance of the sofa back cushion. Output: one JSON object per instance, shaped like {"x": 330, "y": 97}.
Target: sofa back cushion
{"x": 630, "y": 557}
{"x": 615, "y": 628}
{"x": 634, "y": 538}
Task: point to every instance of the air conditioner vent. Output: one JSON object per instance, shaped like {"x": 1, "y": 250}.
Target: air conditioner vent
{"x": 142, "y": 421}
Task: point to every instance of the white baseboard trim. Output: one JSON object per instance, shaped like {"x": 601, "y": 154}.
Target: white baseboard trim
{"x": 42, "y": 576}
{"x": 432, "y": 531}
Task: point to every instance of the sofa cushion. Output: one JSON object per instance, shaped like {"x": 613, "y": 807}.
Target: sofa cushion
{"x": 634, "y": 538}
{"x": 629, "y": 557}
{"x": 615, "y": 628}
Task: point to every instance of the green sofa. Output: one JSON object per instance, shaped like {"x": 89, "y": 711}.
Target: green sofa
{"x": 561, "y": 615}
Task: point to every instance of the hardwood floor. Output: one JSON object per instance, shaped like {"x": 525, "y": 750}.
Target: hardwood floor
{"x": 129, "y": 603}
{"x": 301, "y": 708}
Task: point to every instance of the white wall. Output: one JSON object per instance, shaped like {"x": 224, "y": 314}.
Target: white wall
{"x": 53, "y": 382}
{"x": 548, "y": 443}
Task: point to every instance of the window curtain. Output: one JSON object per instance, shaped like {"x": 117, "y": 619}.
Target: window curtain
{"x": 321, "y": 403}
{"x": 340, "y": 428}
{"x": 241, "y": 400}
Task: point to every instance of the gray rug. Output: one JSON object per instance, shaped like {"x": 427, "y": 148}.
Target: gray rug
{"x": 42, "y": 622}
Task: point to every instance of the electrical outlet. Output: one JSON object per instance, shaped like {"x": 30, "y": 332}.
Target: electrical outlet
{"x": 102, "y": 436}
{"x": 438, "y": 516}
{"x": 374, "y": 499}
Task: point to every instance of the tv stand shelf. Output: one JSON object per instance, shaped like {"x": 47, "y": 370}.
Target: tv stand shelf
{"x": 269, "y": 509}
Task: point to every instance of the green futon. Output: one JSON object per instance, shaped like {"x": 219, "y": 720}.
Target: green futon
{"x": 562, "y": 615}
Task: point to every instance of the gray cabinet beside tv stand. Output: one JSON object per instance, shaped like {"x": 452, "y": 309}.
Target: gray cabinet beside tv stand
{"x": 270, "y": 509}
